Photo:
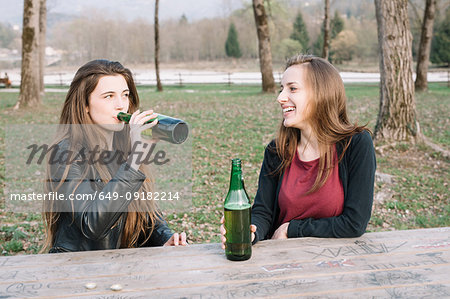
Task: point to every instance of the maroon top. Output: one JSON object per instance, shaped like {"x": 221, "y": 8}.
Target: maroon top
{"x": 298, "y": 179}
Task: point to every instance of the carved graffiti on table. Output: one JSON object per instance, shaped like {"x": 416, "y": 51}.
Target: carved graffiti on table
{"x": 435, "y": 256}
{"x": 436, "y": 244}
{"x": 231, "y": 276}
{"x": 282, "y": 267}
{"x": 268, "y": 288}
{"x": 8, "y": 275}
{"x": 23, "y": 289}
{"x": 4, "y": 262}
{"x": 395, "y": 277}
{"x": 336, "y": 264}
{"x": 360, "y": 248}
{"x": 426, "y": 259}
{"x": 407, "y": 284}
{"x": 114, "y": 255}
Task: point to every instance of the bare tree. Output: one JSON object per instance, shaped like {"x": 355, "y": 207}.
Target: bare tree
{"x": 42, "y": 35}
{"x": 158, "y": 79}
{"x": 326, "y": 31}
{"x": 423, "y": 57}
{"x": 29, "y": 85}
{"x": 265, "y": 53}
{"x": 397, "y": 116}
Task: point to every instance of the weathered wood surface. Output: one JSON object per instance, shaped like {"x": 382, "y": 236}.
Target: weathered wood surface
{"x": 400, "y": 264}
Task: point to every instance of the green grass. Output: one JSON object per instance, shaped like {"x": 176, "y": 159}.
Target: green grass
{"x": 433, "y": 113}
{"x": 238, "y": 121}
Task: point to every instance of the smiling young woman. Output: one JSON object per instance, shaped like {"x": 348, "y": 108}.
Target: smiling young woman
{"x": 317, "y": 176}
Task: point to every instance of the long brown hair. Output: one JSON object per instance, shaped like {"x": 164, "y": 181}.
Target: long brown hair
{"x": 327, "y": 116}
{"x": 141, "y": 215}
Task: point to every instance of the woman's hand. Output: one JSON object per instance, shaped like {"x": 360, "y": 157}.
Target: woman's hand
{"x": 177, "y": 240}
{"x": 281, "y": 232}
{"x": 223, "y": 231}
{"x": 140, "y": 148}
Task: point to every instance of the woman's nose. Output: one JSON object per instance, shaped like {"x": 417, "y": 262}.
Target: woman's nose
{"x": 119, "y": 102}
{"x": 282, "y": 98}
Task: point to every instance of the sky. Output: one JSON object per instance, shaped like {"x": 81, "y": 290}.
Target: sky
{"x": 11, "y": 10}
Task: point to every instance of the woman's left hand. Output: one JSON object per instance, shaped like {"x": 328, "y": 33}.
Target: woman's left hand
{"x": 281, "y": 232}
{"x": 177, "y": 240}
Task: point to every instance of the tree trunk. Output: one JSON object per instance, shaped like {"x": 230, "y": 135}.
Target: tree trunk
{"x": 29, "y": 85}
{"x": 42, "y": 33}
{"x": 326, "y": 31}
{"x": 265, "y": 53}
{"x": 423, "y": 57}
{"x": 158, "y": 79}
{"x": 397, "y": 116}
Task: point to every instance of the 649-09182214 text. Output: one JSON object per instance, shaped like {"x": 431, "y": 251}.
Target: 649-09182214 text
{"x": 156, "y": 195}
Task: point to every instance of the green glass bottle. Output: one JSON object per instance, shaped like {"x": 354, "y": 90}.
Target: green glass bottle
{"x": 238, "y": 246}
{"x": 170, "y": 129}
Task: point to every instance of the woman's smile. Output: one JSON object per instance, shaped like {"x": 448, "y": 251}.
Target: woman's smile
{"x": 287, "y": 110}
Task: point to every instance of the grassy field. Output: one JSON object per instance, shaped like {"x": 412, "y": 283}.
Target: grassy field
{"x": 238, "y": 121}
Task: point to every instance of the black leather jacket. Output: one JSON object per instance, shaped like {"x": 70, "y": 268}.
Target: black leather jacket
{"x": 96, "y": 224}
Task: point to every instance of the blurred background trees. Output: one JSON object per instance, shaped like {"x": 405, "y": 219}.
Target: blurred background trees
{"x": 423, "y": 56}
{"x": 32, "y": 66}
{"x": 264, "y": 45}
{"x": 294, "y": 26}
{"x": 232, "y": 48}
{"x": 300, "y": 32}
{"x": 440, "y": 46}
{"x": 157, "y": 47}
{"x": 397, "y": 117}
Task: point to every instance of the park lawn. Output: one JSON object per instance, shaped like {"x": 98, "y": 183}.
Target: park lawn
{"x": 238, "y": 121}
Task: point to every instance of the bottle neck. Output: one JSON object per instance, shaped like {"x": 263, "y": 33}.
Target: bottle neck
{"x": 125, "y": 117}
{"x": 236, "y": 181}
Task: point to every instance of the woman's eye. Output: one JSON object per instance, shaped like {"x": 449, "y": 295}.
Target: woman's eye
{"x": 108, "y": 96}
{"x": 293, "y": 88}
{"x": 127, "y": 95}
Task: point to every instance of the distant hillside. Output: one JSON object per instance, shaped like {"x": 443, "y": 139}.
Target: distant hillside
{"x": 11, "y": 10}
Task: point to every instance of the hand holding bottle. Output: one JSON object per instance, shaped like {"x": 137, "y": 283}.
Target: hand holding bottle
{"x": 223, "y": 232}
{"x": 137, "y": 125}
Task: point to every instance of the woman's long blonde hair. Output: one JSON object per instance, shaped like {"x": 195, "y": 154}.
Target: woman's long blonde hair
{"x": 327, "y": 114}
{"x": 141, "y": 215}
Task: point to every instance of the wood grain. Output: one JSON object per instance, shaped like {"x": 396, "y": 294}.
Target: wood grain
{"x": 401, "y": 264}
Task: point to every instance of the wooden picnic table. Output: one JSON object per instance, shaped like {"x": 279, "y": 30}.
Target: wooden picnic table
{"x": 400, "y": 264}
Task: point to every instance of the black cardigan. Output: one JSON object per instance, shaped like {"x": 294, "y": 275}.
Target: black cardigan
{"x": 357, "y": 174}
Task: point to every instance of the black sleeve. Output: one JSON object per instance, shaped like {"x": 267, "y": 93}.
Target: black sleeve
{"x": 160, "y": 235}
{"x": 93, "y": 216}
{"x": 263, "y": 208}
{"x": 361, "y": 165}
